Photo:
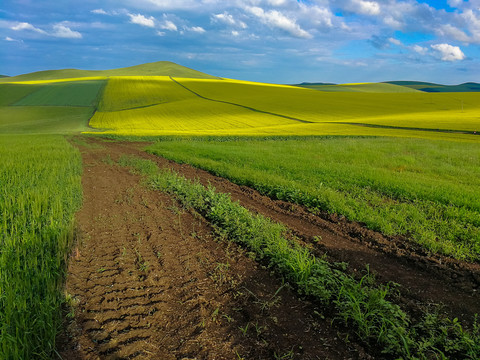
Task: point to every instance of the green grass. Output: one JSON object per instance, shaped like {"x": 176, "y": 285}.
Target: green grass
{"x": 425, "y": 190}
{"x": 152, "y": 105}
{"x": 53, "y": 108}
{"x": 40, "y": 190}
{"x": 44, "y": 119}
{"x": 11, "y": 93}
{"x": 431, "y": 87}
{"x": 364, "y": 87}
{"x": 75, "y": 94}
{"x": 361, "y": 304}
{"x": 459, "y": 111}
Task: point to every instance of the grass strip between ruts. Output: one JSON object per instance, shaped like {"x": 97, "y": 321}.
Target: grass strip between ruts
{"x": 362, "y": 305}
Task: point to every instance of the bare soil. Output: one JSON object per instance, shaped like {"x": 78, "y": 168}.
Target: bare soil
{"x": 151, "y": 280}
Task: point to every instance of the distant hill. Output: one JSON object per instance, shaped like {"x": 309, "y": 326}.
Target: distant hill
{"x": 307, "y": 84}
{"x": 432, "y": 87}
{"x": 362, "y": 87}
{"x": 3, "y": 76}
{"x": 160, "y": 68}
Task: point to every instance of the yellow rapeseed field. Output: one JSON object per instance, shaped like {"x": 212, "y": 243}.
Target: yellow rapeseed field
{"x": 158, "y": 105}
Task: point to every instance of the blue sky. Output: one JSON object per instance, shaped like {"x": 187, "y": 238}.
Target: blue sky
{"x": 277, "y": 41}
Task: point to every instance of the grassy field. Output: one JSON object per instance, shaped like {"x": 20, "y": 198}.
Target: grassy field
{"x": 419, "y": 109}
{"x": 431, "y": 87}
{"x": 361, "y": 304}
{"x": 397, "y": 178}
{"x": 40, "y": 190}
{"x": 158, "y": 105}
{"x": 75, "y": 93}
{"x": 48, "y": 108}
{"x": 362, "y": 87}
{"x": 427, "y": 190}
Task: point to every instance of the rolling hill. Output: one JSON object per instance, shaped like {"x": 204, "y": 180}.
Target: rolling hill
{"x": 160, "y": 68}
{"x": 432, "y": 87}
{"x": 362, "y": 87}
{"x": 164, "y": 98}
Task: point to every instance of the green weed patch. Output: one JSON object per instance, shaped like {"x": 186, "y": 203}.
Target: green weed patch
{"x": 40, "y": 190}
{"x": 426, "y": 190}
{"x": 361, "y": 305}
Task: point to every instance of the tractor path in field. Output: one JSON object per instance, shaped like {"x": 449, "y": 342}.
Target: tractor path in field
{"x": 149, "y": 280}
{"x": 424, "y": 278}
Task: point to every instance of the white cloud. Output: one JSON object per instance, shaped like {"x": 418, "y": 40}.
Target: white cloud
{"x": 276, "y": 19}
{"x": 142, "y": 20}
{"x": 395, "y": 41}
{"x": 277, "y": 2}
{"x": 235, "y": 33}
{"x": 364, "y": 7}
{"x": 229, "y": 20}
{"x": 160, "y": 33}
{"x": 455, "y": 3}
{"x": 99, "y": 12}
{"x": 197, "y": 29}
{"x": 26, "y": 26}
{"x": 452, "y": 32}
{"x": 448, "y": 52}
{"x": 319, "y": 16}
{"x": 168, "y": 4}
{"x": 62, "y": 31}
{"x": 8, "y": 38}
{"x": 420, "y": 49}
{"x": 168, "y": 25}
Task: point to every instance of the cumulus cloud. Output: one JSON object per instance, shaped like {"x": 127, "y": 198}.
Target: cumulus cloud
{"x": 99, "y": 12}
{"x": 364, "y": 7}
{"x": 142, "y": 20}
{"x": 420, "y": 49}
{"x": 318, "y": 16}
{"x": 448, "y": 52}
{"x": 276, "y": 19}
{"x": 452, "y": 32}
{"x": 455, "y": 3}
{"x": 395, "y": 41}
{"x": 197, "y": 29}
{"x": 229, "y": 20}
{"x": 168, "y": 4}
{"x": 26, "y": 26}
{"x": 62, "y": 31}
{"x": 277, "y": 2}
{"x": 169, "y": 25}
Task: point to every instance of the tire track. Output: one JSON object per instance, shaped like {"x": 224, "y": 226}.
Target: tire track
{"x": 149, "y": 281}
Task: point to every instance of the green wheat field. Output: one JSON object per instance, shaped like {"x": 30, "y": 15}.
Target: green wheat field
{"x": 399, "y": 158}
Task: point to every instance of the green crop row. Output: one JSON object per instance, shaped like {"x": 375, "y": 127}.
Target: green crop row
{"x": 40, "y": 190}
{"x": 426, "y": 190}
{"x": 361, "y": 305}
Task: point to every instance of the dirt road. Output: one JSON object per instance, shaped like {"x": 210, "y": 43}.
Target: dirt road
{"x": 151, "y": 280}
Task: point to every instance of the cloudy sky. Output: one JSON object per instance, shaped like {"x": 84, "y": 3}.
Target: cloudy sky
{"x": 278, "y": 41}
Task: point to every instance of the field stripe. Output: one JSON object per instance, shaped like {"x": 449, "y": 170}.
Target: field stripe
{"x": 242, "y": 106}
{"x": 406, "y": 128}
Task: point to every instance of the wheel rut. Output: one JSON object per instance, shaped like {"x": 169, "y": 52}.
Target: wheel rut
{"x": 149, "y": 279}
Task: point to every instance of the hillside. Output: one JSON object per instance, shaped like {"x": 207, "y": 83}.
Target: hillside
{"x": 164, "y": 98}
{"x": 160, "y": 68}
{"x": 432, "y": 87}
{"x": 361, "y": 87}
